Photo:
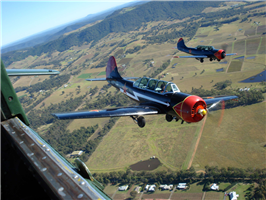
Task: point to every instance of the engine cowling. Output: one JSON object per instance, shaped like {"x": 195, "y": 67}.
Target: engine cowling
{"x": 220, "y": 54}
{"x": 191, "y": 109}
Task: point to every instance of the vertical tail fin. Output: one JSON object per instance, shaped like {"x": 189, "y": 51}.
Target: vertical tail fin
{"x": 111, "y": 69}
{"x": 181, "y": 44}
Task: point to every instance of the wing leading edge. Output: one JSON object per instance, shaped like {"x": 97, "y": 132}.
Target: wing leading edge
{"x": 104, "y": 79}
{"x": 231, "y": 54}
{"x": 31, "y": 72}
{"x": 213, "y": 100}
{"x": 116, "y": 112}
{"x": 191, "y": 56}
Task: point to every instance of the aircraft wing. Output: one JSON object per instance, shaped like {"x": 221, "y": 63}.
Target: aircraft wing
{"x": 112, "y": 112}
{"x": 212, "y": 100}
{"x": 104, "y": 79}
{"x": 30, "y": 72}
{"x": 96, "y": 79}
{"x": 191, "y": 56}
{"x": 231, "y": 54}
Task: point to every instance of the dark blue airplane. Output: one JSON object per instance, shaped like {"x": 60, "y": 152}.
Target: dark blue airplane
{"x": 201, "y": 52}
{"x": 154, "y": 97}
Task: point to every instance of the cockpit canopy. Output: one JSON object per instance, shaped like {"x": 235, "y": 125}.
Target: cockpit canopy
{"x": 207, "y": 48}
{"x": 156, "y": 85}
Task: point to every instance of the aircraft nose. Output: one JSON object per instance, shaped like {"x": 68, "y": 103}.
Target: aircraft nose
{"x": 202, "y": 112}
{"x": 223, "y": 54}
{"x": 191, "y": 109}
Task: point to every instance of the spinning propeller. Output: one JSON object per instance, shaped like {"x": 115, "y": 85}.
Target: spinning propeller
{"x": 220, "y": 105}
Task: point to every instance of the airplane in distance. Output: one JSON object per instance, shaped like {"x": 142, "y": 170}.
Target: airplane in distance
{"x": 154, "y": 97}
{"x": 201, "y": 52}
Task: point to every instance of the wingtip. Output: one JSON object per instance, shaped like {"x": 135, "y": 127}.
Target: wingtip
{"x": 54, "y": 114}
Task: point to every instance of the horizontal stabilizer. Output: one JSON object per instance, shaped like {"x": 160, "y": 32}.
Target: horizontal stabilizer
{"x": 211, "y": 100}
{"x": 116, "y": 112}
{"x": 31, "y": 72}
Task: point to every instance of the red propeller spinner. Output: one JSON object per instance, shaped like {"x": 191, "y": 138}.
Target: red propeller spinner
{"x": 220, "y": 54}
{"x": 191, "y": 109}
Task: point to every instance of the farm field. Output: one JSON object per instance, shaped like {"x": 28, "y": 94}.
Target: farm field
{"x": 241, "y": 134}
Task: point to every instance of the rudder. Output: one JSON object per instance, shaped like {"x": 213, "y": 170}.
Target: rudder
{"x": 111, "y": 69}
{"x": 181, "y": 44}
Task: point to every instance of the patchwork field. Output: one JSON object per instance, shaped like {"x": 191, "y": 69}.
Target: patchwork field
{"x": 240, "y": 47}
{"x": 252, "y": 46}
{"x": 235, "y": 66}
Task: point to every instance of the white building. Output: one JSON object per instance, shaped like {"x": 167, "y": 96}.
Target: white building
{"x": 123, "y": 188}
{"x": 233, "y": 195}
{"x": 214, "y": 186}
{"x": 147, "y": 187}
{"x": 152, "y": 188}
{"x": 137, "y": 189}
{"x": 181, "y": 186}
{"x": 76, "y": 153}
{"x": 166, "y": 187}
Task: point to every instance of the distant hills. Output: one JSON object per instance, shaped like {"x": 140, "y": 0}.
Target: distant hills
{"x": 55, "y": 33}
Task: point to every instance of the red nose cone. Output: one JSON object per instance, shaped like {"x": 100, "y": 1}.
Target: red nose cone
{"x": 191, "y": 109}
{"x": 220, "y": 54}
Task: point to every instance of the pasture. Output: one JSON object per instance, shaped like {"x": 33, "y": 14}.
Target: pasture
{"x": 235, "y": 66}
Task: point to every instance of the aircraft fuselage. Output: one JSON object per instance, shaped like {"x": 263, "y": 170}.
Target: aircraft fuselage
{"x": 166, "y": 103}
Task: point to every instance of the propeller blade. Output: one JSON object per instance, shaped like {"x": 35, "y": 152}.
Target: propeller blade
{"x": 220, "y": 105}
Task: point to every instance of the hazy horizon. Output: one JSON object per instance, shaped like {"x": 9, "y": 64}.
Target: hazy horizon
{"x": 21, "y": 20}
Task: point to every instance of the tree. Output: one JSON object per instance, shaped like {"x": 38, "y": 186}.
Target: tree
{"x": 133, "y": 194}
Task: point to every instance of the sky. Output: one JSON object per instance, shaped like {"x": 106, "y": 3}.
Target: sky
{"x": 20, "y": 19}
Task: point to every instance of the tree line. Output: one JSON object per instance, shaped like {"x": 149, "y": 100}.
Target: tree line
{"x": 47, "y": 84}
{"x": 212, "y": 174}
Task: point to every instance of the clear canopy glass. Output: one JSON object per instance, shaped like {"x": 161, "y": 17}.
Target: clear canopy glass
{"x": 156, "y": 85}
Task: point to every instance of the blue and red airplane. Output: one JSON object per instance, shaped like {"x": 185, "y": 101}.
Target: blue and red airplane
{"x": 154, "y": 97}
{"x": 201, "y": 52}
